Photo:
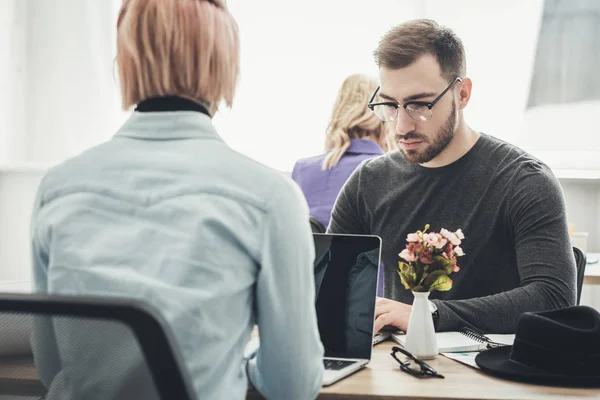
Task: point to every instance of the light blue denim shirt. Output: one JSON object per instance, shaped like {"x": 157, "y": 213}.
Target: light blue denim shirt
{"x": 168, "y": 213}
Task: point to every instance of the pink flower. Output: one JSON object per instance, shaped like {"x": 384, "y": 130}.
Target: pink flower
{"x": 449, "y": 255}
{"x": 426, "y": 257}
{"x": 459, "y": 234}
{"x": 408, "y": 255}
{"x": 414, "y": 247}
{"x": 450, "y": 236}
{"x": 459, "y": 251}
{"x": 413, "y": 237}
{"x": 445, "y": 233}
{"x": 448, "y": 248}
{"x": 456, "y": 268}
{"x": 435, "y": 240}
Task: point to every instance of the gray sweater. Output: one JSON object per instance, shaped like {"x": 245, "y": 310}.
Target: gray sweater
{"x": 511, "y": 210}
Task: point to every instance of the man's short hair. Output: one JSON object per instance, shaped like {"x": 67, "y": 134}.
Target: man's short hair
{"x": 403, "y": 44}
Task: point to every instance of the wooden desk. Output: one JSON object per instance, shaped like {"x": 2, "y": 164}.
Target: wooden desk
{"x": 382, "y": 379}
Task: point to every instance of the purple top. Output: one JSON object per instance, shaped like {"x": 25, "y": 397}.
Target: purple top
{"x": 322, "y": 187}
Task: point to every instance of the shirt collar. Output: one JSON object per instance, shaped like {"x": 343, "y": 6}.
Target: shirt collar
{"x": 364, "y": 146}
{"x": 170, "y": 103}
{"x": 168, "y": 125}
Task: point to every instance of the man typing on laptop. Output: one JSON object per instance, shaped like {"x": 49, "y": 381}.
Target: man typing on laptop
{"x": 509, "y": 204}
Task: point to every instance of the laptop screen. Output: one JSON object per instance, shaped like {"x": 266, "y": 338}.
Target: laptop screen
{"x": 346, "y": 272}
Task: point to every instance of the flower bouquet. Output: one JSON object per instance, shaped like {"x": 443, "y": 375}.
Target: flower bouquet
{"x": 429, "y": 259}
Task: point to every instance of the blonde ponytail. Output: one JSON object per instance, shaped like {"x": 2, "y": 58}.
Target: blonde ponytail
{"x": 352, "y": 119}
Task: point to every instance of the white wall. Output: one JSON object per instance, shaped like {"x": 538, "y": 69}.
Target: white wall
{"x": 13, "y": 67}
{"x": 565, "y": 136}
{"x": 71, "y": 89}
{"x": 294, "y": 58}
{"x": 292, "y": 67}
{"x": 583, "y": 209}
{"x": 500, "y": 39}
{"x": 18, "y": 187}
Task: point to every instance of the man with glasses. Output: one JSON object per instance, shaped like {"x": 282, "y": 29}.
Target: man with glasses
{"x": 508, "y": 204}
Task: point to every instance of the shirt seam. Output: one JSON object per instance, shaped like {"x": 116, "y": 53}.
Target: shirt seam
{"x": 55, "y": 194}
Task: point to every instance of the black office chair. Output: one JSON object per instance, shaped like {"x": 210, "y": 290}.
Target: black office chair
{"x": 580, "y": 262}
{"x": 87, "y": 348}
{"x": 316, "y": 226}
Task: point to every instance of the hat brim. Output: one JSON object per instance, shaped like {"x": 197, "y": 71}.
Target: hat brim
{"x": 496, "y": 362}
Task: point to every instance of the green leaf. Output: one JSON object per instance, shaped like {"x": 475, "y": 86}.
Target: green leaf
{"x": 442, "y": 283}
{"x": 407, "y": 275}
{"x": 404, "y": 267}
{"x": 420, "y": 288}
{"x": 422, "y": 273}
{"x": 444, "y": 264}
{"x": 409, "y": 279}
{"x": 432, "y": 277}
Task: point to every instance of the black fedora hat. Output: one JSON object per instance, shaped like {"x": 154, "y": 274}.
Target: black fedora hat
{"x": 559, "y": 347}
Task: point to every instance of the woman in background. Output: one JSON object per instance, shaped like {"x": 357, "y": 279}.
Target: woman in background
{"x": 354, "y": 134}
{"x": 165, "y": 212}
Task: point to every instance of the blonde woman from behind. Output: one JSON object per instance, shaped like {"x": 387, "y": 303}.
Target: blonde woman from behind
{"x": 354, "y": 134}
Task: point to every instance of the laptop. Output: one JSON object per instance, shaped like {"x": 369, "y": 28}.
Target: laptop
{"x": 346, "y": 277}
{"x": 380, "y": 337}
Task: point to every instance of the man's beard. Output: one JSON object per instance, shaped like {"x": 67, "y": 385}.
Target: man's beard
{"x": 441, "y": 141}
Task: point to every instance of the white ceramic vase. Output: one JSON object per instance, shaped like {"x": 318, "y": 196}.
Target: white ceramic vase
{"x": 420, "y": 338}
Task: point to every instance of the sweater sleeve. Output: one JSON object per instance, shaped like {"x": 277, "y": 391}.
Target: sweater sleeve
{"x": 545, "y": 259}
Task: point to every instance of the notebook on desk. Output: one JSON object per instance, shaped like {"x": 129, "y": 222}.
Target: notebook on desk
{"x": 456, "y": 342}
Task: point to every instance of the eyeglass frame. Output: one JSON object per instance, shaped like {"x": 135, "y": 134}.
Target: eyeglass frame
{"x": 426, "y": 369}
{"x": 428, "y": 104}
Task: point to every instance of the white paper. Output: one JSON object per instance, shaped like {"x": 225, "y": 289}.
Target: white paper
{"x": 465, "y": 358}
{"x": 508, "y": 339}
{"x": 457, "y": 342}
{"x": 468, "y": 358}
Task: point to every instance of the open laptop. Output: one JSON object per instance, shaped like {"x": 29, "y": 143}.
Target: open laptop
{"x": 346, "y": 274}
{"x": 346, "y": 278}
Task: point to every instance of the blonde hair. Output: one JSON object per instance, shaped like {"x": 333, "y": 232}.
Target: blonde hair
{"x": 352, "y": 119}
{"x": 188, "y": 48}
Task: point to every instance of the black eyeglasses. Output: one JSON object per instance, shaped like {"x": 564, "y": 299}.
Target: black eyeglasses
{"x": 425, "y": 369}
{"x": 417, "y": 110}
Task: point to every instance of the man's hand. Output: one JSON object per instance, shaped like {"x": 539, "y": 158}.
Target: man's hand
{"x": 390, "y": 312}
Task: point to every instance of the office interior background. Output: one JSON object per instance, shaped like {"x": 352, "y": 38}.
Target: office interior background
{"x": 534, "y": 66}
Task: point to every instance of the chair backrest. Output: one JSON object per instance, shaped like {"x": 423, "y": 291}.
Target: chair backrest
{"x": 316, "y": 226}
{"x": 580, "y": 262}
{"x": 85, "y": 347}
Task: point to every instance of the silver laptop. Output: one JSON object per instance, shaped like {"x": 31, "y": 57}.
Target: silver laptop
{"x": 346, "y": 278}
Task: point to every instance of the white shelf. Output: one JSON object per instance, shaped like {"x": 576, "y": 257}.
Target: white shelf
{"x": 25, "y": 167}
{"x": 579, "y": 174}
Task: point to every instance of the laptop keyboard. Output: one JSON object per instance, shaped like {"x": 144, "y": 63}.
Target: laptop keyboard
{"x": 336, "y": 365}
